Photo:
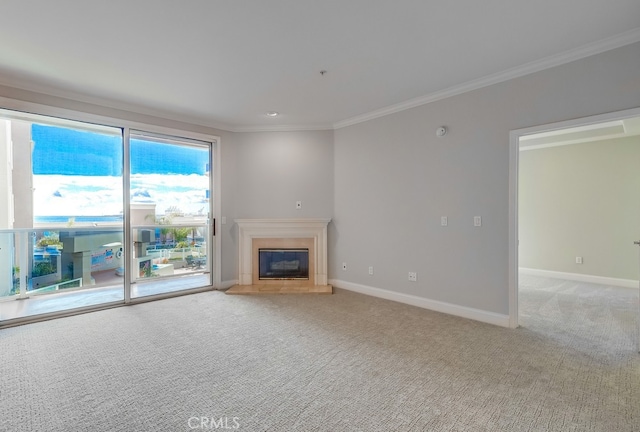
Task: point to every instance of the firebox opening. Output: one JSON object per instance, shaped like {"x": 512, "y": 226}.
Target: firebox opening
{"x": 283, "y": 264}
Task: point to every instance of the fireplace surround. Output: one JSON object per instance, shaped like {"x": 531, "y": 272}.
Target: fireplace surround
{"x": 303, "y": 233}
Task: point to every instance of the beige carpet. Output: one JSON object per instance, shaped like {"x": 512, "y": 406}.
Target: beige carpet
{"x": 586, "y": 316}
{"x": 345, "y": 362}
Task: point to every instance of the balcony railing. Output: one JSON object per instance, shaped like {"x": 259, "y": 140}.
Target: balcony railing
{"x": 53, "y": 259}
{"x": 73, "y": 283}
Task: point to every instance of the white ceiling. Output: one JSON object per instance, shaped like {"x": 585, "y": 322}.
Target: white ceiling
{"x": 226, "y": 63}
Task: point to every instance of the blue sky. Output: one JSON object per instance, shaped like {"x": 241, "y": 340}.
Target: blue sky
{"x": 79, "y": 173}
{"x": 75, "y": 152}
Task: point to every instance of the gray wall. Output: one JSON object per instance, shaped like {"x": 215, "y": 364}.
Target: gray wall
{"x": 228, "y": 176}
{"x": 394, "y": 179}
{"x": 265, "y": 173}
{"x": 581, "y": 200}
{"x": 276, "y": 169}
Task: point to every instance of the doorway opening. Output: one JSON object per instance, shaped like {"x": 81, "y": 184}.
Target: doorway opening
{"x": 574, "y": 212}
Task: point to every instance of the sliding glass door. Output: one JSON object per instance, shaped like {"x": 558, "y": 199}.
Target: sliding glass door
{"x": 170, "y": 209}
{"x": 94, "y": 215}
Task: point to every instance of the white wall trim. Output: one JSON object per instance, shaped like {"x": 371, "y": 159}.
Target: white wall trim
{"x": 629, "y": 37}
{"x": 512, "y": 274}
{"x": 562, "y": 144}
{"x": 425, "y": 303}
{"x": 600, "y": 280}
{"x": 579, "y": 122}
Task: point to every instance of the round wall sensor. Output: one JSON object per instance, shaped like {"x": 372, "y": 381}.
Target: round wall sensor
{"x": 441, "y": 131}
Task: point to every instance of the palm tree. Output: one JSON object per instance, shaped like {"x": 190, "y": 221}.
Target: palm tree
{"x": 164, "y": 220}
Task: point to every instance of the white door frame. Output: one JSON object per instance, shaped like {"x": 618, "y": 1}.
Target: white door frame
{"x": 514, "y": 156}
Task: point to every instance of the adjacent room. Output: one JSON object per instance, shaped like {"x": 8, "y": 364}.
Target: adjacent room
{"x": 578, "y": 209}
{"x": 307, "y": 216}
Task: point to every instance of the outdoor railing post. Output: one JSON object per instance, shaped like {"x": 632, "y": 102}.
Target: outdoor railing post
{"x": 23, "y": 236}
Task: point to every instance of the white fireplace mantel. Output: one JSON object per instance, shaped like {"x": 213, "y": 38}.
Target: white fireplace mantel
{"x": 281, "y": 229}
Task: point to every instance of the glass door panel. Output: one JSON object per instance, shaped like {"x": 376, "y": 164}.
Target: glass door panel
{"x": 63, "y": 228}
{"x": 170, "y": 212}
{"x": 77, "y": 208}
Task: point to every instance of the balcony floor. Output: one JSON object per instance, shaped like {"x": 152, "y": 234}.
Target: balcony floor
{"x": 108, "y": 289}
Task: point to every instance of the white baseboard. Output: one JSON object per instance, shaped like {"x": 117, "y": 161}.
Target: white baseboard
{"x": 425, "y": 303}
{"x": 600, "y": 280}
{"x": 227, "y": 284}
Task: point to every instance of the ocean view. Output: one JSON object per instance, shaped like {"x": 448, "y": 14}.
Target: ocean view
{"x": 78, "y": 219}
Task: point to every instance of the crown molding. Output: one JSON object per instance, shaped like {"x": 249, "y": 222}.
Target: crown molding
{"x": 44, "y": 90}
{"x": 141, "y": 110}
{"x": 626, "y": 38}
{"x": 282, "y": 128}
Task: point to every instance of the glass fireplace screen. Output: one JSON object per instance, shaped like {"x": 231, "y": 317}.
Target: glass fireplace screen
{"x": 283, "y": 264}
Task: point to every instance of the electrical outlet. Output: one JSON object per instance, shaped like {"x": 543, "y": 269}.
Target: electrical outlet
{"x": 298, "y": 205}
{"x": 344, "y": 266}
{"x": 444, "y": 221}
{"x": 578, "y": 260}
{"x": 371, "y": 270}
{"x": 413, "y": 276}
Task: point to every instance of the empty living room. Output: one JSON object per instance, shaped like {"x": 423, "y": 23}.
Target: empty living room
{"x": 319, "y": 216}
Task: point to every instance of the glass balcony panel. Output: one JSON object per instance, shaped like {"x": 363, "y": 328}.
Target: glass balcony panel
{"x": 9, "y": 267}
{"x": 66, "y": 268}
{"x": 169, "y": 258}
